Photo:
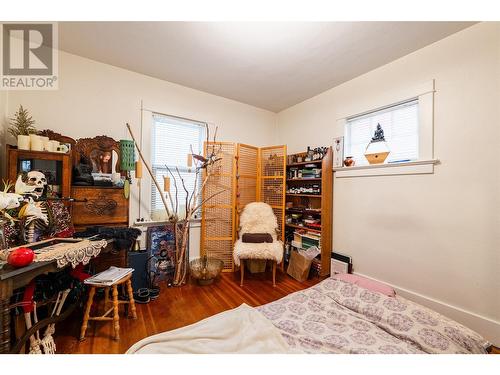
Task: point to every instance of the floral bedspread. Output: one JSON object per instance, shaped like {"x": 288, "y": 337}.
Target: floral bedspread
{"x": 338, "y": 317}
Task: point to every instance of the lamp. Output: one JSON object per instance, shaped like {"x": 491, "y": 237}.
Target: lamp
{"x": 127, "y": 155}
{"x": 166, "y": 184}
{"x": 127, "y": 163}
{"x": 138, "y": 169}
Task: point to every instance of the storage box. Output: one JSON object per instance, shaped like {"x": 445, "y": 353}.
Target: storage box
{"x": 299, "y": 266}
{"x": 256, "y": 265}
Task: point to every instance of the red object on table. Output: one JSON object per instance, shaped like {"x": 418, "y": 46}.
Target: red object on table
{"x": 21, "y": 257}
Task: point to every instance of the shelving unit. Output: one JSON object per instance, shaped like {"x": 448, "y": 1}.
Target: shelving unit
{"x": 300, "y": 227}
{"x": 319, "y": 207}
{"x": 302, "y": 163}
{"x": 303, "y": 179}
{"x": 55, "y": 163}
{"x": 305, "y": 195}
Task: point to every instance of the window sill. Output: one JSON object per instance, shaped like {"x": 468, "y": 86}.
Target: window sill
{"x": 194, "y": 223}
{"x": 392, "y": 169}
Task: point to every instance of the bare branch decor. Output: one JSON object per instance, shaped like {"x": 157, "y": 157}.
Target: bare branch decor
{"x": 203, "y": 166}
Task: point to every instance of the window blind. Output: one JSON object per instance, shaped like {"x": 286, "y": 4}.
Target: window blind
{"x": 400, "y": 125}
{"x": 172, "y": 140}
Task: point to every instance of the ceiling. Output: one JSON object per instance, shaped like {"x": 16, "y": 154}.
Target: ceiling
{"x": 271, "y": 65}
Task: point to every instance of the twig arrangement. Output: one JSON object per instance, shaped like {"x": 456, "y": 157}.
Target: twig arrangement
{"x": 204, "y": 168}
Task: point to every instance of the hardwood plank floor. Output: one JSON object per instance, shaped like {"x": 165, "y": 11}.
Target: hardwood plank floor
{"x": 175, "y": 307}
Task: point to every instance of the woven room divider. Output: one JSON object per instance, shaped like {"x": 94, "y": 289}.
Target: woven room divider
{"x": 246, "y": 174}
{"x": 272, "y": 176}
{"x": 247, "y": 178}
{"x": 219, "y": 213}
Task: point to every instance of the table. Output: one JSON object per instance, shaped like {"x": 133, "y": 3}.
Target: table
{"x": 13, "y": 278}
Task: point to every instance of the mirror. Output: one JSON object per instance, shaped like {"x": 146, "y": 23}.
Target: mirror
{"x": 96, "y": 159}
{"x": 103, "y": 161}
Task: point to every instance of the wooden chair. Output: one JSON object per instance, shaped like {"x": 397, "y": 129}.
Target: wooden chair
{"x": 258, "y": 218}
{"x": 242, "y": 271}
{"x": 116, "y": 302}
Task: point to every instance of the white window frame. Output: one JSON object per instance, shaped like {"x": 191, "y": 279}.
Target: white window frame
{"x": 202, "y": 125}
{"x": 426, "y": 161}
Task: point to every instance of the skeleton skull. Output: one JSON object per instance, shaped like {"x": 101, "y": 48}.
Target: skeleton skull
{"x": 38, "y": 180}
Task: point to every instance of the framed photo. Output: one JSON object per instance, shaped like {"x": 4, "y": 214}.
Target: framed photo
{"x": 338, "y": 152}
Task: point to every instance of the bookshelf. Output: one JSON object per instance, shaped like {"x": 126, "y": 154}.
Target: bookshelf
{"x": 309, "y": 205}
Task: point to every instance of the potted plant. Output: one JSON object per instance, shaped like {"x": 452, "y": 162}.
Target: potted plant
{"x": 21, "y": 126}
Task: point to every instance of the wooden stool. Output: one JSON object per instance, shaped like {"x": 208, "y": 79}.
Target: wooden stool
{"x": 115, "y": 318}
{"x": 242, "y": 270}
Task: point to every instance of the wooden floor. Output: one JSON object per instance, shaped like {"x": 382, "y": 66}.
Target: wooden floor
{"x": 176, "y": 307}
{"x": 495, "y": 350}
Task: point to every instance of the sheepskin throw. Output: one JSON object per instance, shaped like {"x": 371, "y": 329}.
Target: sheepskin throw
{"x": 258, "y": 217}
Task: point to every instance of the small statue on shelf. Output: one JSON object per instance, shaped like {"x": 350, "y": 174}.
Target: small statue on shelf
{"x": 379, "y": 134}
{"x": 82, "y": 172}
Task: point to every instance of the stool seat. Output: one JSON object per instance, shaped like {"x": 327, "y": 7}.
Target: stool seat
{"x": 116, "y": 302}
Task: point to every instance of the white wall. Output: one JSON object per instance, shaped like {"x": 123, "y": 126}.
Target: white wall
{"x": 98, "y": 99}
{"x": 3, "y": 127}
{"x": 436, "y": 236}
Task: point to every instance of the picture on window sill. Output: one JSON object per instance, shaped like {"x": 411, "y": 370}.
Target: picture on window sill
{"x": 338, "y": 152}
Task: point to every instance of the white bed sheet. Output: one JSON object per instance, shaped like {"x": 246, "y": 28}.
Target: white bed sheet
{"x": 240, "y": 330}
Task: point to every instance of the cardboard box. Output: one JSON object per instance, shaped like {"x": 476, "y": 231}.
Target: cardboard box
{"x": 299, "y": 266}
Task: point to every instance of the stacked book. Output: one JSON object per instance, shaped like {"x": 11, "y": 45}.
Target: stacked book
{"x": 310, "y": 171}
{"x": 312, "y": 222}
{"x": 315, "y": 268}
{"x": 305, "y": 240}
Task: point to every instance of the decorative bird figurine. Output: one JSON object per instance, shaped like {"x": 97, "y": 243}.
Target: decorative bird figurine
{"x": 9, "y": 201}
{"x": 22, "y": 188}
{"x": 212, "y": 158}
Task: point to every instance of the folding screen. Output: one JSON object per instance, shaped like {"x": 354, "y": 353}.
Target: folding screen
{"x": 218, "y": 214}
{"x": 272, "y": 176}
{"x": 246, "y": 174}
{"x": 246, "y": 177}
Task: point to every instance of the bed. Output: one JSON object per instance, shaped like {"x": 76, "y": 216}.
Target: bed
{"x": 333, "y": 316}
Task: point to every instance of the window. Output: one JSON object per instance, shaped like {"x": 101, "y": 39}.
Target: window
{"x": 172, "y": 141}
{"x": 400, "y": 123}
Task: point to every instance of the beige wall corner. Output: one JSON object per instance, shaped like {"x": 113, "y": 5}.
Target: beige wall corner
{"x": 435, "y": 235}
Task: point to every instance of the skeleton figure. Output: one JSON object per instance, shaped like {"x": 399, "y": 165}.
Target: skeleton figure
{"x": 35, "y": 341}
{"x": 47, "y": 342}
{"x": 39, "y": 181}
{"x": 35, "y": 211}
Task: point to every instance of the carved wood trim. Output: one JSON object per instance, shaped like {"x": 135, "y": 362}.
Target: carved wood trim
{"x": 53, "y": 136}
{"x": 101, "y": 205}
{"x": 84, "y": 147}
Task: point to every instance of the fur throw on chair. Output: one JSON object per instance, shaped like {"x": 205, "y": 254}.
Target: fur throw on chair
{"x": 258, "y": 217}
